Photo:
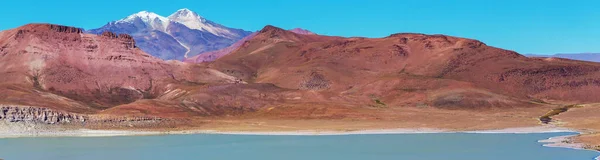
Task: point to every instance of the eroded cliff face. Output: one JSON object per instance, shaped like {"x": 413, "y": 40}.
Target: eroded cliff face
{"x": 44, "y": 116}
{"x": 38, "y": 115}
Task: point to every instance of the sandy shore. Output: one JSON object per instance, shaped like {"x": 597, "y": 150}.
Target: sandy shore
{"x": 76, "y": 133}
{"x": 523, "y": 130}
{"x": 562, "y": 142}
{"x": 13, "y": 130}
{"x": 25, "y": 130}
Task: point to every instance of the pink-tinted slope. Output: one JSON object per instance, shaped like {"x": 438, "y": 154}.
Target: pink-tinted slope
{"x": 213, "y": 55}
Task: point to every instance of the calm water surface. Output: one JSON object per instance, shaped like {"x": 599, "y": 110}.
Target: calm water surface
{"x": 438, "y": 146}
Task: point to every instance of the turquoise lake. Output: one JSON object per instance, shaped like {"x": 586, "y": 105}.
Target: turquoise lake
{"x": 434, "y": 146}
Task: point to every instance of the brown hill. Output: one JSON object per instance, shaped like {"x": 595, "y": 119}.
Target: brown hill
{"x": 95, "y": 71}
{"x": 409, "y": 69}
{"x": 282, "y": 81}
{"x": 279, "y": 73}
{"x": 213, "y": 55}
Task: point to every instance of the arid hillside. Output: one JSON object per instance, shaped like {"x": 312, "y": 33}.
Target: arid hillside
{"x": 60, "y": 67}
{"x": 279, "y": 74}
{"x": 409, "y": 70}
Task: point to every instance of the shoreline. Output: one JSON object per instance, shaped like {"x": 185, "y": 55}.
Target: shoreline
{"x": 26, "y": 131}
{"x": 519, "y": 130}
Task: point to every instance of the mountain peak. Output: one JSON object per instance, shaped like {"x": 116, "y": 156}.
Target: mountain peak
{"x": 276, "y": 30}
{"x": 150, "y": 19}
{"x": 192, "y": 20}
{"x": 302, "y": 31}
{"x": 271, "y": 28}
{"x": 144, "y": 15}
{"x": 183, "y": 33}
{"x": 185, "y": 14}
{"x": 185, "y": 9}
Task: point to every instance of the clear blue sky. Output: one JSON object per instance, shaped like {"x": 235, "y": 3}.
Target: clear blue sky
{"x": 526, "y": 26}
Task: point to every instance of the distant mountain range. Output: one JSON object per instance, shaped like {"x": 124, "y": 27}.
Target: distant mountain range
{"x": 592, "y": 57}
{"x": 182, "y": 34}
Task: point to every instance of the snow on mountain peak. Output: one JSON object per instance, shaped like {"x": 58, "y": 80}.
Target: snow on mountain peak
{"x": 183, "y": 16}
{"x": 151, "y": 20}
{"x": 186, "y": 13}
{"x": 178, "y": 36}
{"x": 194, "y": 21}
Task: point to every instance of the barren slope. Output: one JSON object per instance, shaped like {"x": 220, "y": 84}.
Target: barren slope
{"x": 278, "y": 74}
{"x": 99, "y": 71}
{"x": 409, "y": 70}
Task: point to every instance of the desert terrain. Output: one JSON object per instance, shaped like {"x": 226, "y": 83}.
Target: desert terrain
{"x": 278, "y": 80}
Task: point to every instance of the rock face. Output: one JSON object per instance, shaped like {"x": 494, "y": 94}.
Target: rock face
{"x": 127, "y": 40}
{"x": 183, "y": 34}
{"x": 59, "y": 28}
{"x": 315, "y": 81}
{"x": 38, "y": 115}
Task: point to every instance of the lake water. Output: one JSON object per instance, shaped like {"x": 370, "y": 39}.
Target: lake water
{"x": 434, "y": 146}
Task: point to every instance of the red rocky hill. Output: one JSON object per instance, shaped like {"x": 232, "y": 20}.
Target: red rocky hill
{"x": 282, "y": 74}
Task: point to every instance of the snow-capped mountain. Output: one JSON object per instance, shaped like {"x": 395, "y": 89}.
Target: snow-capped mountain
{"x": 194, "y": 21}
{"x": 182, "y": 34}
{"x": 150, "y": 20}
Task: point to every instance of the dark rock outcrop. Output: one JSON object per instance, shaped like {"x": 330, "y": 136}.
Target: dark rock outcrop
{"x": 109, "y": 34}
{"x": 53, "y": 27}
{"x": 315, "y": 81}
{"x": 38, "y": 115}
{"x": 66, "y": 29}
{"x": 126, "y": 39}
